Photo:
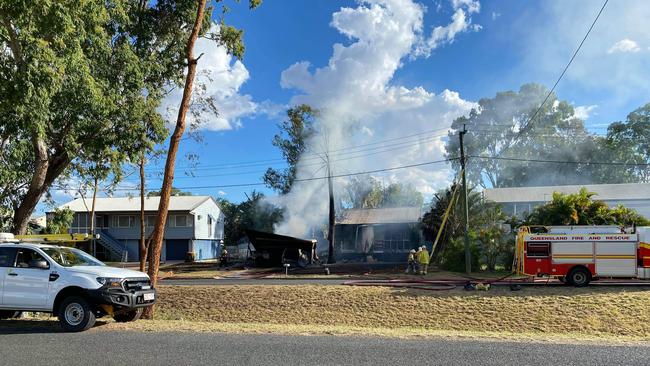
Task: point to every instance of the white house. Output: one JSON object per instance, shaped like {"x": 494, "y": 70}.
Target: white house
{"x": 194, "y": 224}
{"x": 521, "y": 200}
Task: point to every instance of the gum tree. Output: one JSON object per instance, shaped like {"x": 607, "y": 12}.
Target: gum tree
{"x": 75, "y": 78}
{"x": 231, "y": 39}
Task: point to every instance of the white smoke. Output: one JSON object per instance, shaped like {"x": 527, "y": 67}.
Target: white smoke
{"x": 361, "y": 105}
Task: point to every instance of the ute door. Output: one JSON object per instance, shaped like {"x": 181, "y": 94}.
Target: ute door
{"x": 7, "y": 256}
{"x": 25, "y": 285}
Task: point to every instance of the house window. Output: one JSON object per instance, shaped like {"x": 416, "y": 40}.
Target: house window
{"x": 124, "y": 221}
{"x": 180, "y": 221}
{"x": 150, "y": 221}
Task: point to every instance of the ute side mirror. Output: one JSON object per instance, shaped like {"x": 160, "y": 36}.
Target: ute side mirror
{"x": 40, "y": 264}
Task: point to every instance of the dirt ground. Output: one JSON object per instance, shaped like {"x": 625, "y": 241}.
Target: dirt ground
{"x": 590, "y": 312}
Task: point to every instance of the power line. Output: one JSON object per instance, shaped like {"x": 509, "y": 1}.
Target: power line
{"x": 557, "y": 135}
{"x": 559, "y": 78}
{"x": 612, "y": 163}
{"x": 315, "y": 155}
{"x": 372, "y": 151}
{"x": 313, "y": 178}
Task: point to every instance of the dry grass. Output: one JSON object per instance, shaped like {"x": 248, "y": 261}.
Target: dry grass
{"x": 593, "y": 312}
{"x": 561, "y": 314}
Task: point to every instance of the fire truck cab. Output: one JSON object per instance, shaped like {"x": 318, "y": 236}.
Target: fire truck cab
{"x": 578, "y": 254}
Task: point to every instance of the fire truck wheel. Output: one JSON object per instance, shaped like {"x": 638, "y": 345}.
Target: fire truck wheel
{"x": 579, "y": 277}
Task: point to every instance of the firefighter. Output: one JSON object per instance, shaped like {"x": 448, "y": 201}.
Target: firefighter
{"x": 423, "y": 259}
{"x": 223, "y": 258}
{"x": 412, "y": 266}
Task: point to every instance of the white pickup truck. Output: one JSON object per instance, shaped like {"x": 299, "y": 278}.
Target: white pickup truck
{"x": 69, "y": 283}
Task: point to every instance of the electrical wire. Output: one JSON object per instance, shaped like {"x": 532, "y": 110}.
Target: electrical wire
{"x": 313, "y": 178}
{"x": 316, "y": 155}
{"x": 558, "y": 79}
{"x": 562, "y": 161}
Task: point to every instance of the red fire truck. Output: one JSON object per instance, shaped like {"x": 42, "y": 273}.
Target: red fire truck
{"x": 578, "y": 254}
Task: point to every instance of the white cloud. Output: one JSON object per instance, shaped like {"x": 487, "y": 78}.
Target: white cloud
{"x": 222, "y": 193}
{"x": 624, "y": 46}
{"x": 547, "y": 42}
{"x": 472, "y": 6}
{"x": 219, "y": 77}
{"x": 584, "y": 111}
{"x": 495, "y": 15}
{"x": 461, "y": 22}
{"x": 362, "y": 104}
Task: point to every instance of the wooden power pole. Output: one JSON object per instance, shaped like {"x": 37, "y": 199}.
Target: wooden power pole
{"x": 468, "y": 259}
{"x": 332, "y": 215}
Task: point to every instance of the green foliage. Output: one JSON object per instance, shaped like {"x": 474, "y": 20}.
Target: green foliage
{"x": 6, "y": 216}
{"x": 80, "y": 85}
{"x": 368, "y": 192}
{"x": 631, "y": 139}
{"x": 60, "y": 221}
{"x": 175, "y": 192}
{"x": 452, "y": 257}
{"x": 582, "y": 209}
{"x": 292, "y": 142}
{"x": 491, "y": 243}
{"x": 253, "y": 213}
{"x": 500, "y": 124}
{"x": 432, "y": 220}
{"x": 495, "y": 240}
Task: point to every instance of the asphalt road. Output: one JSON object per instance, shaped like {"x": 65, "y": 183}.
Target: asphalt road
{"x": 99, "y": 347}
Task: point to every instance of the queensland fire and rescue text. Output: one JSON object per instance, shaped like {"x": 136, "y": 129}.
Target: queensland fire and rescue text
{"x": 578, "y": 254}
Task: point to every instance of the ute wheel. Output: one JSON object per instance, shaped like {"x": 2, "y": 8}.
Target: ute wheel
{"x": 8, "y": 314}
{"x": 129, "y": 316}
{"x": 579, "y": 277}
{"x": 75, "y": 315}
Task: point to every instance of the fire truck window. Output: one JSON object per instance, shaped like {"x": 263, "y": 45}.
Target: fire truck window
{"x": 538, "y": 249}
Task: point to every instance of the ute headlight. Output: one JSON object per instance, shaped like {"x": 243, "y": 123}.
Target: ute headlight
{"x": 110, "y": 281}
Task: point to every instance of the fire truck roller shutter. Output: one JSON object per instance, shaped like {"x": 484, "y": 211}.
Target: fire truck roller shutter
{"x": 616, "y": 259}
{"x": 573, "y": 252}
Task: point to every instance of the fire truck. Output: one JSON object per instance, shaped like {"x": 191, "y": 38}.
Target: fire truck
{"x": 579, "y": 254}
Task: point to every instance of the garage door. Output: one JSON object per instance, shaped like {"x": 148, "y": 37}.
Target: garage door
{"x": 177, "y": 249}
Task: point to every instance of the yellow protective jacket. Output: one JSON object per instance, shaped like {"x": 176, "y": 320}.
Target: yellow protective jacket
{"x": 423, "y": 257}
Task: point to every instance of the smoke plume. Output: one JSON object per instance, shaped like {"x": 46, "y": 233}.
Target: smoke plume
{"x": 361, "y": 104}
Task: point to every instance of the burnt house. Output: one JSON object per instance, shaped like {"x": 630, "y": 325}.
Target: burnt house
{"x": 385, "y": 234}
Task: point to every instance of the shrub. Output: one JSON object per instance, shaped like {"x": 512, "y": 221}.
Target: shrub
{"x": 452, "y": 258}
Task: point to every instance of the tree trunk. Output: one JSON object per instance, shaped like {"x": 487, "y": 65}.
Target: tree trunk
{"x": 168, "y": 178}
{"x": 143, "y": 244}
{"x": 332, "y": 216}
{"x": 47, "y": 169}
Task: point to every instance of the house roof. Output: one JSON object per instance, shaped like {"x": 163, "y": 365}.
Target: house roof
{"x": 396, "y": 215}
{"x": 126, "y": 204}
{"x": 604, "y": 192}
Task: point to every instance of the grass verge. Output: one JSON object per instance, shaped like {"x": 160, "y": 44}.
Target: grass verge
{"x": 554, "y": 313}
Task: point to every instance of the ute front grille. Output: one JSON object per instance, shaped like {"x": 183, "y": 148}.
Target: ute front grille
{"x": 136, "y": 284}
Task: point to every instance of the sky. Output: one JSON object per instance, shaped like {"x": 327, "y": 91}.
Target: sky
{"x": 397, "y": 68}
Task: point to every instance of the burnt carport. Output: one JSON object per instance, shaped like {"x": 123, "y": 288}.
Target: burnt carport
{"x": 273, "y": 250}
